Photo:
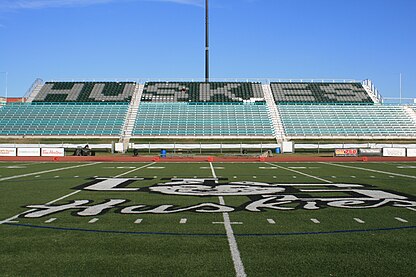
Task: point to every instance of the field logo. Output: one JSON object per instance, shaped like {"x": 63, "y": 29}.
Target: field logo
{"x": 262, "y": 197}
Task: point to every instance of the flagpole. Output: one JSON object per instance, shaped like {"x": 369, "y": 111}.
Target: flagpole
{"x": 206, "y": 43}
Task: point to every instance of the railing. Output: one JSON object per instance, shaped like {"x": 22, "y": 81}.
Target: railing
{"x": 373, "y": 90}
{"x": 202, "y": 80}
{"x": 34, "y": 85}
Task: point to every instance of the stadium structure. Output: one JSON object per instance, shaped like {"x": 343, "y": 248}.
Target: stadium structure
{"x": 283, "y": 110}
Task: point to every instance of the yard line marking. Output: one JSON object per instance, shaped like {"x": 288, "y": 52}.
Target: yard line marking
{"x": 412, "y": 209}
{"x": 183, "y": 220}
{"x": 138, "y": 221}
{"x": 45, "y": 171}
{"x": 58, "y": 199}
{"x": 235, "y": 253}
{"x": 401, "y": 219}
{"x": 314, "y": 220}
{"x": 301, "y": 173}
{"x": 271, "y": 221}
{"x": 93, "y": 220}
{"x": 50, "y": 220}
{"x": 359, "y": 220}
{"x": 372, "y": 170}
{"x": 130, "y": 171}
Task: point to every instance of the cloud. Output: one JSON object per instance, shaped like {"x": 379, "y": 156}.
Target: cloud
{"x": 43, "y": 4}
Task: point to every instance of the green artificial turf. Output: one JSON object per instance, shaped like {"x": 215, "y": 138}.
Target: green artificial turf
{"x": 294, "y": 245}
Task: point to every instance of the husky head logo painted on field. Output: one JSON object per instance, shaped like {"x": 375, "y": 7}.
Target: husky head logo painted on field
{"x": 211, "y": 187}
{"x": 261, "y": 197}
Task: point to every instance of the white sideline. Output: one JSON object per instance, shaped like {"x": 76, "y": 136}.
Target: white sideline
{"x": 45, "y": 171}
{"x": 235, "y": 253}
{"x": 65, "y": 196}
{"x": 372, "y": 170}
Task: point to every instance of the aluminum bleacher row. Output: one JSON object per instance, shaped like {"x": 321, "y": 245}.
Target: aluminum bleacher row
{"x": 203, "y": 109}
{"x": 185, "y": 119}
{"x": 346, "y": 121}
{"x": 63, "y": 119}
{"x": 215, "y": 109}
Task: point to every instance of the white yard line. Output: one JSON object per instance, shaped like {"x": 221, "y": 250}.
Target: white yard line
{"x": 412, "y": 209}
{"x": 8, "y": 220}
{"x": 45, "y": 171}
{"x": 301, "y": 173}
{"x": 371, "y": 170}
{"x": 235, "y": 253}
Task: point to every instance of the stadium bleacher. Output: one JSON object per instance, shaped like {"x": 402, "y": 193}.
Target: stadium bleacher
{"x": 215, "y": 109}
{"x": 63, "y": 119}
{"x": 346, "y": 121}
{"x": 202, "y": 92}
{"x": 86, "y": 92}
{"x": 300, "y": 92}
{"x": 185, "y": 119}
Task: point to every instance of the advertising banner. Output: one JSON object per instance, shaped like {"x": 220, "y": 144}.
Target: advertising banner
{"x": 346, "y": 152}
{"x": 28, "y": 152}
{"x": 370, "y": 152}
{"x": 410, "y": 152}
{"x": 53, "y": 152}
{"x": 394, "y": 152}
{"x": 7, "y": 152}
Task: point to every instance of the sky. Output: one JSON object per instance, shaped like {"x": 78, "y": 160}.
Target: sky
{"x": 249, "y": 39}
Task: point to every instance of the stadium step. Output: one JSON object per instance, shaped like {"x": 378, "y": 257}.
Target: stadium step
{"x": 274, "y": 114}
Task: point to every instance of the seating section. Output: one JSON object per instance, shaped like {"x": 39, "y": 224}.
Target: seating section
{"x": 202, "y": 92}
{"x": 86, "y": 92}
{"x": 320, "y": 93}
{"x": 50, "y": 119}
{"x": 346, "y": 120}
{"x": 187, "y": 119}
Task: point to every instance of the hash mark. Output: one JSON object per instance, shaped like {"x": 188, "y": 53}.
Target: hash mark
{"x": 401, "y": 219}
{"x": 50, "y": 220}
{"x": 359, "y": 220}
{"x": 314, "y": 220}
{"x": 271, "y": 221}
{"x": 93, "y": 220}
{"x": 183, "y": 221}
{"x": 138, "y": 221}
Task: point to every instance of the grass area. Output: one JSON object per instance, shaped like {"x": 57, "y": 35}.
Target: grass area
{"x": 288, "y": 219}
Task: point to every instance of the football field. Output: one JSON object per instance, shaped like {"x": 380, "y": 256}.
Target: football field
{"x": 207, "y": 219}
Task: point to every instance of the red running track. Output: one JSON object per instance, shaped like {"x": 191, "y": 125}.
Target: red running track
{"x": 283, "y": 158}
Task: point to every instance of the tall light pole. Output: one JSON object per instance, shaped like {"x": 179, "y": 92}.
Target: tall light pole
{"x": 206, "y": 43}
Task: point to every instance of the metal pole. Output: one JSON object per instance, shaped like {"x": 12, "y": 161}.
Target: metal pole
{"x": 206, "y": 43}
